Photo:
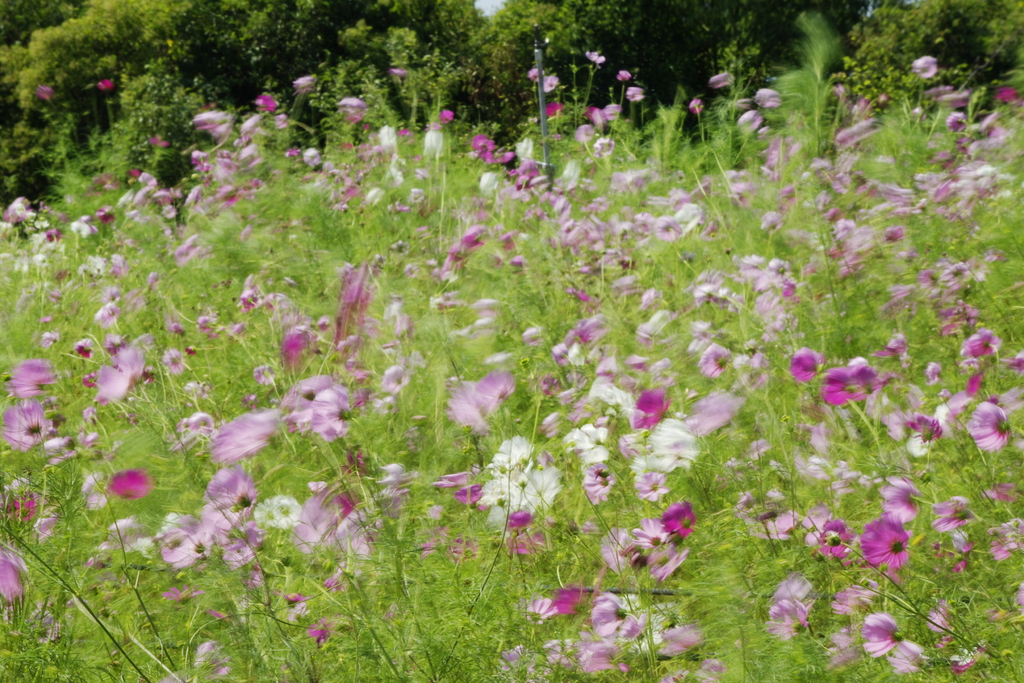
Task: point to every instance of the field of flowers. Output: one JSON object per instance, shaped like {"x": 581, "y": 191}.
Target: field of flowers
{"x": 731, "y": 404}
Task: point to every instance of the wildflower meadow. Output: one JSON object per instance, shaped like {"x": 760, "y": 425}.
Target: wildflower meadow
{"x": 732, "y": 394}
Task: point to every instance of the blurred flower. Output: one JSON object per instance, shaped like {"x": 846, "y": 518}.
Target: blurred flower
{"x": 989, "y": 427}
{"x": 624, "y": 76}
{"x": 446, "y": 116}
{"x": 29, "y": 377}
{"x": 884, "y": 542}
{"x": 768, "y": 98}
{"x": 243, "y": 437}
{"x": 12, "y": 569}
{"x": 353, "y": 108}
{"x": 956, "y": 122}
{"x": 550, "y": 83}
{"x": 266, "y": 103}
{"x": 720, "y": 80}
{"x": 398, "y": 73}
{"x": 106, "y": 86}
{"x": 634, "y": 94}
{"x": 130, "y": 484}
{"x": 44, "y": 92}
{"x": 304, "y": 85}
{"x": 925, "y": 67}
{"x": 696, "y": 106}
{"x": 596, "y": 58}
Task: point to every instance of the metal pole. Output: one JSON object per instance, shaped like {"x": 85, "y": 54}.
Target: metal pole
{"x": 538, "y": 55}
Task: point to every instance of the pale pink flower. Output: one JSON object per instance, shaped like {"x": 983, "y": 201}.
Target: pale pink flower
{"x": 29, "y": 377}
{"x": 925, "y": 67}
{"x": 651, "y": 486}
{"x": 598, "y": 482}
{"x": 330, "y": 408}
{"x": 25, "y": 425}
{"x": 899, "y": 498}
{"x": 953, "y": 514}
{"x": 989, "y": 427}
{"x": 714, "y": 361}
{"x": 12, "y": 569}
{"x": 676, "y": 641}
{"x": 243, "y": 437}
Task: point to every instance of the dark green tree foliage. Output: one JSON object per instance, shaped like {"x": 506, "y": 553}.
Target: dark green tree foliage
{"x": 974, "y": 41}
{"x": 669, "y": 44}
{"x": 18, "y": 18}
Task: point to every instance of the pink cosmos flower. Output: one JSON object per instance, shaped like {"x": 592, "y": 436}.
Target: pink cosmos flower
{"x": 852, "y": 383}
{"x": 806, "y": 364}
{"x": 29, "y": 378}
{"x": 989, "y": 427}
{"x": 634, "y": 94}
{"x": 624, "y": 76}
{"x": 714, "y": 360}
{"x": 353, "y": 108}
{"x": 750, "y": 121}
{"x": 304, "y": 85}
{"x": 115, "y": 381}
{"x": 884, "y": 542}
{"x": 881, "y": 634}
{"x": 44, "y": 92}
{"x": 679, "y": 520}
{"x": 925, "y": 67}
{"x": 266, "y": 103}
{"x": 25, "y": 425}
{"x": 610, "y": 618}
{"x": 676, "y": 641}
{"x": 768, "y": 98}
{"x": 12, "y": 569}
{"x": 105, "y": 86}
{"x": 848, "y": 601}
{"x": 713, "y": 412}
{"x": 899, "y": 499}
{"x": 982, "y": 343}
{"x": 665, "y": 560}
{"x": 721, "y": 80}
{"x": 596, "y": 58}
{"x": 785, "y": 616}
{"x": 330, "y": 409}
{"x": 696, "y": 106}
{"x": 232, "y": 490}
{"x": 540, "y": 610}
{"x": 834, "y": 539}
{"x": 130, "y": 484}
{"x": 651, "y": 486}
{"x": 650, "y": 409}
{"x": 598, "y": 482}
{"x": 244, "y": 436}
{"x": 953, "y": 514}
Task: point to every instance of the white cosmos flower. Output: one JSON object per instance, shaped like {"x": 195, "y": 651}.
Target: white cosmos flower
{"x": 279, "y": 512}
{"x": 673, "y": 439}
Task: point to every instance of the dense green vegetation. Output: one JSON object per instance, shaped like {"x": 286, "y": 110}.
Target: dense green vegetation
{"x": 165, "y": 58}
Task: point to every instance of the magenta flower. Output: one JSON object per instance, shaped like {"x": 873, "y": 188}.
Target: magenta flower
{"x": 446, "y": 116}
{"x": 650, "y": 409}
{"x": 956, "y": 122}
{"x": 266, "y": 103}
{"x": 665, "y": 560}
{"x": 44, "y": 92}
{"x": 721, "y": 80}
{"x": 12, "y": 569}
{"x": 989, "y": 427}
{"x": 130, "y": 484}
{"x": 806, "y": 364}
{"x": 983, "y": 343}
{"x": 634, "y": 94}
{"x": 953, "y": 514}
{"x": 696, "y": 106}
{"x": 244, "y": 436}
{"x": 679, "y": 520}
{"x": 29, "y": 378}
{"x": 321, "y": 631}
{"x": 925, "y": 67}
{"x": 25, "y": 425}
{"x": 714, "y": 360}
{"x": 624, "y": 76}
{"x": 106, "y": 86}
{"x": 834, "y": 539}
{"x": 115, "y": 381}
{"x": 469, "y": 495}
{"x": 567, "y": 599}
{"x": 884, "y": 542}
{"x": 882, "y": 635}
{"x": 852, "y": 383}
